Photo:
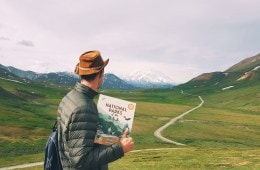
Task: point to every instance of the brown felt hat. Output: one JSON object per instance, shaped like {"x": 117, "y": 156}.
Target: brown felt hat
{"x": 90, "y": 62}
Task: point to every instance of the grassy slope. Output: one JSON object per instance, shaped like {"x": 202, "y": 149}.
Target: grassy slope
{"x": 222, "y": 134}
{"x": 27, "y": 114}
{"x": 228, "y": 118}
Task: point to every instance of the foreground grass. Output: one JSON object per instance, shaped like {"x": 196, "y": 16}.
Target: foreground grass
{"x": 22, "y": 159}
{"x": 191, "y": 158}
{"x": 187, "y": 158}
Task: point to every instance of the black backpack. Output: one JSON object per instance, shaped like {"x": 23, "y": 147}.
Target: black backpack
{"x": 52, "y": 157}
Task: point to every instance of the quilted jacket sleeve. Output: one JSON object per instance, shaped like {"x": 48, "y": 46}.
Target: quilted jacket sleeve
{"x": 82, "y": 151}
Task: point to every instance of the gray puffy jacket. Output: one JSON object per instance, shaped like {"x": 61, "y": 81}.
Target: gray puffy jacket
{"x": 77, "y": 126}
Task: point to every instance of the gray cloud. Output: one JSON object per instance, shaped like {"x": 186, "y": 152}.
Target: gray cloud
{"x": 4, "y": 38}
{"x": 26, "y": 43}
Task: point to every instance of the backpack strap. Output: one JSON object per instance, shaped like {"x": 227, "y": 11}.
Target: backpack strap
{"x": 54, "y": 126}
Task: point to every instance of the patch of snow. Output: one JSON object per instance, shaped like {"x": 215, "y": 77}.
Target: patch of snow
{"x": 16, "y": 81}
{"x": 256, "y": 68}
{"x": 226, "y": 88}
{"x": 225, "y": 74}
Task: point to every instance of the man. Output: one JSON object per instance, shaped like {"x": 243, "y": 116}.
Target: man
{"x": 78, "y": 117}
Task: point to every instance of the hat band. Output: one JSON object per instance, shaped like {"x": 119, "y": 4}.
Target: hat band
{"x": 92, "y": 68}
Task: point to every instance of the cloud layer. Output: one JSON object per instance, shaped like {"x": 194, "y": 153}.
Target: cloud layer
{"x": 180, "y": 38}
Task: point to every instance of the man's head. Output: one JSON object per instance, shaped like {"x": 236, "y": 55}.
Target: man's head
{"x": 89, "y": 63}
{"x": 91, "y": 67}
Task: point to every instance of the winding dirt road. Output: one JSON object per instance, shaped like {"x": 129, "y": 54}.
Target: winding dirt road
{"x": 158, "y": 132}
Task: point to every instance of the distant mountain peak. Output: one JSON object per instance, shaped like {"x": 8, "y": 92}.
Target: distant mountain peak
{"x": 148, "y": 78}
{"x": 150, "y": 75}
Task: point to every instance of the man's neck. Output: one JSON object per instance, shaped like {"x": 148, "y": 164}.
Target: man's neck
{"x": 93, "y": 84}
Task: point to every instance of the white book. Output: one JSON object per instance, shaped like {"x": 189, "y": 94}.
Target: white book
{"x": 115, "y": 116}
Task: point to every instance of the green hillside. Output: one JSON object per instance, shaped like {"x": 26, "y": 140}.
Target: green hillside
{"x": 245, "y": 74}
{"x": 28, "y": 111}
{"x": 224, "y": 133}
{"x": 227, "y": 92}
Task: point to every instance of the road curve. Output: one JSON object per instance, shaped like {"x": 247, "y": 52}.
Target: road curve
{"x": 158, "y": 132}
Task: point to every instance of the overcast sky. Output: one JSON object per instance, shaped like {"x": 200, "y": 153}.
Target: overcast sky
{"x": 180, "y": 38}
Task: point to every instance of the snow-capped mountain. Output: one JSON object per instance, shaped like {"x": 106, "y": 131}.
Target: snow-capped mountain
{"x": 135, "y": 80}
{"x": 61, "y": 78}
{"x": 148, "y": 79}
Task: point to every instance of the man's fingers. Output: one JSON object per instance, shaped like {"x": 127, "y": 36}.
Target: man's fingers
{"x": 127, "y": 144}
{"x": 125, "y": 133}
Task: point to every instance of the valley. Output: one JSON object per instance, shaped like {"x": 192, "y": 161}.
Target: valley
{"x": 223, "y": 133}
{"x": 210, "y": 129}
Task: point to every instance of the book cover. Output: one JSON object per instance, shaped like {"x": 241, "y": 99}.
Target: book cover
{"x": 115, "y": 116}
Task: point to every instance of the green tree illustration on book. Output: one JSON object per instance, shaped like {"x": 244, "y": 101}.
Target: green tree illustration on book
{"x": 115, "y": 116}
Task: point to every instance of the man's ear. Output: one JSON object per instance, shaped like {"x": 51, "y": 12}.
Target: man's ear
{"x": 101, "y": 73}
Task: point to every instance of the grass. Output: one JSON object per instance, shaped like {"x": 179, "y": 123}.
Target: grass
{"x": 187, "y": 158}
{"x": 190, "y": 158}
{"x": 223, "y": 134}
{"x": 148, "y": 118}
{"x": 22, "y": 159}
{"x": 27, "y": 114}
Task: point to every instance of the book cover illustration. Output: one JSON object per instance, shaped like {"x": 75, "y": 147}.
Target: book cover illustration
{"x": 115, "y": 116}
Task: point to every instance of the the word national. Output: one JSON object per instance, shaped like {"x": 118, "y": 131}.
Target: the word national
{"x": 115, "y": 108}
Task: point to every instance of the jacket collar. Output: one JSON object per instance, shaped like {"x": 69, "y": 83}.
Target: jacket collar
{"x": 86, "y": 90}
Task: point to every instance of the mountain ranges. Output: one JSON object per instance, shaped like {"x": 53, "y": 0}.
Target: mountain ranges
{"x": 245, "y": 72}
{"x": 111, "y": 81}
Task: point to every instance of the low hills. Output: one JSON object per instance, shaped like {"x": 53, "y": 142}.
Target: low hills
{"x": 242, "y": 74}
{"x": 247, "y": 64}
{"x": 236, "y": 89}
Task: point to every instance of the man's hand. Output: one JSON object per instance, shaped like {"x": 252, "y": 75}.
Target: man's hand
{"x": 127, "y": 142}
